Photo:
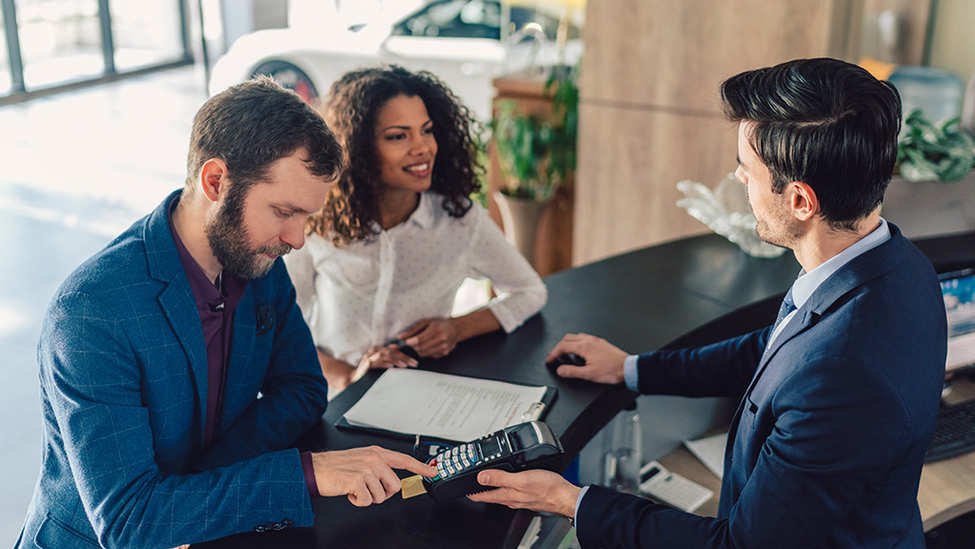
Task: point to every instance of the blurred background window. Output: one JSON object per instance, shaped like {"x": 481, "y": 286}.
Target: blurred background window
{"x": 145, "y": 32}
{"x": 60, "y": 41}
{"x": 50, "y": 44}
{"x": 4, "y": 59}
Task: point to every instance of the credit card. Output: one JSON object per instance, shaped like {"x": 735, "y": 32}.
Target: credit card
{"x": 413, "y": 486}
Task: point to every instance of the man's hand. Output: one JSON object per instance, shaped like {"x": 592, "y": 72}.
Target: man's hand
{"x": 365, "y": 475}
{"x": 536, "y": 489}
{"x": 434, "y": 337}
{"x": 604, "y": 361}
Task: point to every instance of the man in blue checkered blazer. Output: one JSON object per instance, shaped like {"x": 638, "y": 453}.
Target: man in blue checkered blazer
{"x": 175, "y": 367}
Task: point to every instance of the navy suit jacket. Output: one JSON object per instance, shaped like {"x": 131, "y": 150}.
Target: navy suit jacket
{"x": 123, "y": 374}
{"x": 827, "y": 445}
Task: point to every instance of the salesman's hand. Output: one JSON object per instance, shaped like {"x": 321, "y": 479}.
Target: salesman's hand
{"x": 365, "y": 475}
{"x": 604, "y": 361}
{"x": 536, "y": 489}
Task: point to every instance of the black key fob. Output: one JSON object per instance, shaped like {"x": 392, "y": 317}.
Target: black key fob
{"x": 403, "y": 348}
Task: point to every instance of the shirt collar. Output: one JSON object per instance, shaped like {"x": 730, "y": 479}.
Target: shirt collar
{"x": 806, "y": 284}
{"x": 205, "y": 293}
{"x": 423, "y": 216}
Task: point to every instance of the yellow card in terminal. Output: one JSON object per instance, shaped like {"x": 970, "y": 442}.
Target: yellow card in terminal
{"x": 413, "y": 486}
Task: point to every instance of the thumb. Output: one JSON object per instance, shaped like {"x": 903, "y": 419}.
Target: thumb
{"x": 570, "y": 371}
{"x": 491, "y": 477}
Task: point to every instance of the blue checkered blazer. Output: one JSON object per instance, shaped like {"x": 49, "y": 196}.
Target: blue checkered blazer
{"x": 123, "y": 375}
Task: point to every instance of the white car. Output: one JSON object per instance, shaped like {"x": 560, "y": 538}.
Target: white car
{"x": 458, "y": 40}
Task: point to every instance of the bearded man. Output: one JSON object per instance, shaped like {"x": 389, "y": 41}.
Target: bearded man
{"x": 175, "y": 367}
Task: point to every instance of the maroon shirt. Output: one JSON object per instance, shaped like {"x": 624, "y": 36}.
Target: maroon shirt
{"x": 216, "y": 305}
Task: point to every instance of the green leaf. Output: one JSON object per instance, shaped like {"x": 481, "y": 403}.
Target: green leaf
{"x": 927, "y": 152}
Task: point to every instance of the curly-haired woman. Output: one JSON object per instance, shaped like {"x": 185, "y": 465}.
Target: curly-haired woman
{"x": 398, "y": 233}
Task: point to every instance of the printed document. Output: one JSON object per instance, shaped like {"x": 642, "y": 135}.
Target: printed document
{"x": 445, "y": 406}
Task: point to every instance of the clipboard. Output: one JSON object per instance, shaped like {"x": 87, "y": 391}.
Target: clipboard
{"x": 535, "y": 411}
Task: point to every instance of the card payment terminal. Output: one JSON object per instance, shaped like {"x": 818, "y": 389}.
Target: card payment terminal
{"x": 530, "y": 445}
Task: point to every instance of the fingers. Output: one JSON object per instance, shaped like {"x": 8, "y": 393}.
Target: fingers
{"x": 570, "y": 343}
{"x": 385, "y": 483}
{"x": 414, "y": 329}
{"x": 536, "y": 489}
{"x": 397, "y": 460}
{"x": 387, "y": 357}
{"x": 375, "y": 489}
{"x": 364, "y": 475}
{"x": 604, "y": 361}
{"x": 437, "y": 338}
{"x": 507, "y": 489}
{"x": 570, "y": 371}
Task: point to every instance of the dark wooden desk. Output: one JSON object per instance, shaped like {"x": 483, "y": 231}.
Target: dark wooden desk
{"x": 687, "y": 292}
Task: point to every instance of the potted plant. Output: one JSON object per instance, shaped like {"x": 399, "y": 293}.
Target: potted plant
{"x": 933, "y": 189}
{"x": 536, "y": 154}
{"x": 926, "y": 152}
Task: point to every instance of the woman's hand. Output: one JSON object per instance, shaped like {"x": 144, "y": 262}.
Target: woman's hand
{"x": 434, "y": 337}
{"x": 388, "y": 356}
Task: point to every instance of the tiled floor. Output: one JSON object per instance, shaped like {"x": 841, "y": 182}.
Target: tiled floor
{"x": 75, "y": 170}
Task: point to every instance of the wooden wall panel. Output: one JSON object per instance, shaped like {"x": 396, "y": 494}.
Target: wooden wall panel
{"x": 650, "y": 114}
{"x": 667, "y": 53}
{"x": 631, "y": 161}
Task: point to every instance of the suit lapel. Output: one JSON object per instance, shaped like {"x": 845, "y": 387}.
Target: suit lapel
{"x": 238, "y": 372}
{"x": 176, "y": 300}
{"x": 858, "y": 271}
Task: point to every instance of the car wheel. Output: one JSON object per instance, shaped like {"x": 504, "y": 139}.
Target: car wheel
{"x": 290, "y": 77}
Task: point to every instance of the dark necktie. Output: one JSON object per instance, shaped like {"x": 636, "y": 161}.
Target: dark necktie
{"x": 787, "y": 307}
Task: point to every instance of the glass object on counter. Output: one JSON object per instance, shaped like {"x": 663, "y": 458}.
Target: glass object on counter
{"x": 936, "y": 92}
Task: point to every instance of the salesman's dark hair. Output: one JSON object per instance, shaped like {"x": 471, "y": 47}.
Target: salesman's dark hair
{"x": 825, "y": 122}
{"x": 251, "y": 125}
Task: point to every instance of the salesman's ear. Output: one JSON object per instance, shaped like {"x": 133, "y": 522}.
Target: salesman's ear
{"x": 214, "y": 178}
{"x": 803, "y": 201}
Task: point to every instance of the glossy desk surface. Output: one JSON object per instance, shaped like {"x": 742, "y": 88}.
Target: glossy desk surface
{"x": 675, "y": 294}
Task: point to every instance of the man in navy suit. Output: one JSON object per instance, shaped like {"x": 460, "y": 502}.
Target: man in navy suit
{"x": 840, "y": 395}
{"x": 176, "y": 370}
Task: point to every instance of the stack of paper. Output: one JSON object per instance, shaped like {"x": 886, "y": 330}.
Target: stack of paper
{"x": 445, "y": 406}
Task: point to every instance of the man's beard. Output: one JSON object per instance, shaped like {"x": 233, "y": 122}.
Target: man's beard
{"x": 228, "y": 241}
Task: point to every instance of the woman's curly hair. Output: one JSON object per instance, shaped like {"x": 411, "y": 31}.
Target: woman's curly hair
{"x": 350, "y": 111}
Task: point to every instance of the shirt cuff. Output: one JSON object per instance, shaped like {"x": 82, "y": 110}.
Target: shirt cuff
{"x": 582, "y": 494}
{"x": 630, "y": 374}
{"x": 309, "y": 470}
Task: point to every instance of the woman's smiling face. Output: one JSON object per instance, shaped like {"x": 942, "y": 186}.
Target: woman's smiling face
{"x": 405, "y": 145}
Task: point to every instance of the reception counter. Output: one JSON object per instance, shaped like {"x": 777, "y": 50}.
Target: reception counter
{"x": 688, "y": 292}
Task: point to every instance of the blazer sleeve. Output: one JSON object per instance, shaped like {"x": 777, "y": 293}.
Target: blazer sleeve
{"x": 720, "y": 369}
{"x": 521, "y": 292}
{"x": 293, "y": 393}
{"x": 90, "y": 375}
{"x": 811, "y": 474}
